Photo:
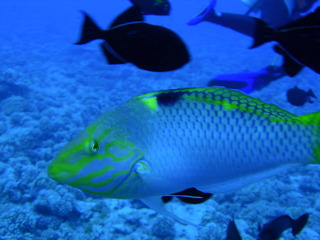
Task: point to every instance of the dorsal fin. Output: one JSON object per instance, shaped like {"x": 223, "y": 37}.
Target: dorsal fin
{"x": 312, "y": 19}
{"x": 132, "y": 14}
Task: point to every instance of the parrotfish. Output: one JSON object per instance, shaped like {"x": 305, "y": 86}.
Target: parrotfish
{"x": 212, "y": 139}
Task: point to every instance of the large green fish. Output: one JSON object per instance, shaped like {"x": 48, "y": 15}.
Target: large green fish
{"x": 212, "y": 139}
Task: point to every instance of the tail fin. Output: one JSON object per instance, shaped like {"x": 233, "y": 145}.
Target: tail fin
{"x": 299, "y": 224}
{"x": 262, "y": 34}
{"x": 232, "y": 231}
{"x": 290, "y": 65}
{"x": 90, "y": 30}
{"x": 132, "y": 14}
{"x": 313, "y": 119}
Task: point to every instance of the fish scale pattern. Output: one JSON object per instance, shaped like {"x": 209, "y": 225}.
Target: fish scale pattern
{"x": 226, "y": 128}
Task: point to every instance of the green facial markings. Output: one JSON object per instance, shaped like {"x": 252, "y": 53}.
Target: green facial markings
{"x": 88, "y": 179}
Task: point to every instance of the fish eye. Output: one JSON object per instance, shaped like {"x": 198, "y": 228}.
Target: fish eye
{"x": 94, "y": 146}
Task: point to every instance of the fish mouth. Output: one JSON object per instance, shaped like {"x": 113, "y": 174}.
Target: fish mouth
{"x": 52, "y": 171}
{"x": 58, "y": 173}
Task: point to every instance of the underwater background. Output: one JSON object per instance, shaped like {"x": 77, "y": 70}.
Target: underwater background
{"x": 50, "y": 89}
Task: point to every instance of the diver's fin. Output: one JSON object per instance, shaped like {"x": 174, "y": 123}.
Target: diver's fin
{"x": 231, "y": 81}
{"x": 156, "y": 204}
{"x": 203, "y": 16}
{"x": 299, "y": 224}
{"x": 111, "y": 55}
{"x": 290, "y": 65}
{"x": 132, "y": 14}
{"x": 90, "y": 30}
{"x": 248, "y": 81}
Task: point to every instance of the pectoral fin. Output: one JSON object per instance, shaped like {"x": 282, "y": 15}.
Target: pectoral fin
{"x": 156, "y": 204}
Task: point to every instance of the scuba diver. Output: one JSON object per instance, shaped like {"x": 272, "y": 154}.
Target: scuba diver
{"x": 279, "y": 21}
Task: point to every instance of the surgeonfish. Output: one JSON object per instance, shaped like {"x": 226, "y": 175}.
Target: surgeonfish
{"x": 273, "y": 229}
{"x": 212, "y": 139}
{"x": 130, "y": 40}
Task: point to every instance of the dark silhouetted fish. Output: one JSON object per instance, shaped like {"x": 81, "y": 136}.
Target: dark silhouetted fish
{"x": 130, "y": 40}
{"x": 190, "y": 195}
{"x": 153, "y": 7}
{"x": 299, "y": 39}
{"x": 299, "y": 97}
{"x": 273, "y": 229}
{"x": 233, "y": 232}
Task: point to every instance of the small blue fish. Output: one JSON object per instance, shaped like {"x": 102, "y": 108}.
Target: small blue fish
{"x": 299, "y": 97}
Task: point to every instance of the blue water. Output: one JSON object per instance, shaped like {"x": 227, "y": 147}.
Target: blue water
{"x": 63, "y": 87}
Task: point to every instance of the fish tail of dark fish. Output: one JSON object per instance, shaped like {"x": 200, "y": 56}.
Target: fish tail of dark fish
{"x": 232, "y": 231}
{"x": 90, "y": 30}
{"x": 263, "y": 33}
{"x": 299, "y": 224}
{"x": 311, "y": 93}
{"x": 290, "y": 65}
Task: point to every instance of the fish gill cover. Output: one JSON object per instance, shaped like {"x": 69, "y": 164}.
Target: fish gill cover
{"x": 57, "y": 89}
